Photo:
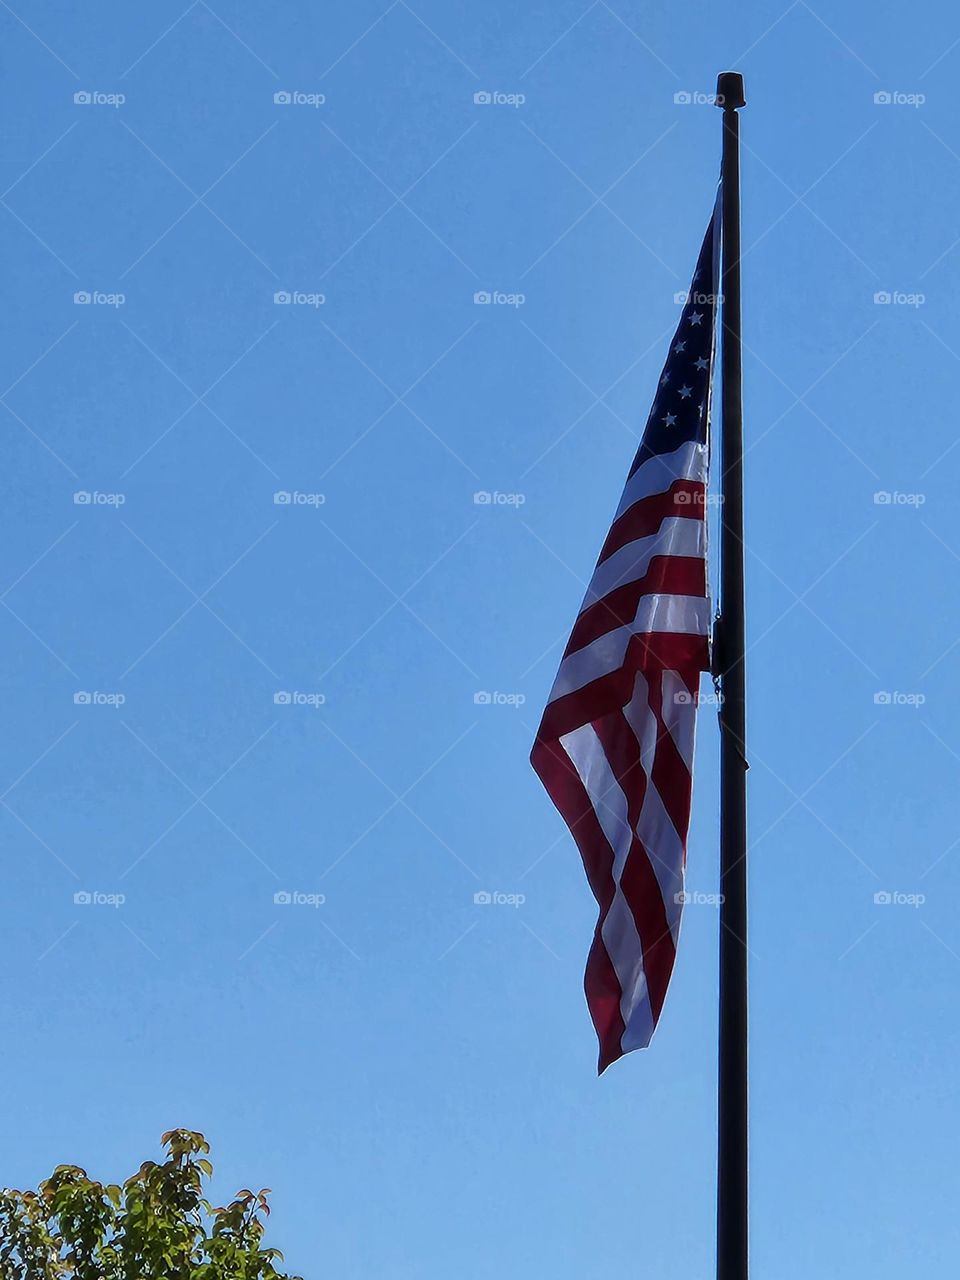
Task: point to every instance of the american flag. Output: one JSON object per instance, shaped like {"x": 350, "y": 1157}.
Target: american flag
{"x": 615, "y": 746}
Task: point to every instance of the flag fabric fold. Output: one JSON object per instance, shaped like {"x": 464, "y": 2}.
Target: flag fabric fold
{"x": 615, "y": 746}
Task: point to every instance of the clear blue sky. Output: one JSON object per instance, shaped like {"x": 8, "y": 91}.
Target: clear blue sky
{"x": 412, "y": 1073}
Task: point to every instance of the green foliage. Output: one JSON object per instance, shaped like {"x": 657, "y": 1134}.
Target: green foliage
{"x": 156, "y": 1226}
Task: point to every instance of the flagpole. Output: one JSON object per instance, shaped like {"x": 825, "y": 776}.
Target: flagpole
{"x": 732, "y": 1185}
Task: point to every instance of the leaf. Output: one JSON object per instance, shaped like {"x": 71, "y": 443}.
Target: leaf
{"x": 156, "y": 1225}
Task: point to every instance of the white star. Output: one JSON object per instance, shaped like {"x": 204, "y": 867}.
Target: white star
{"x": 681, "y": 346}
{"x": 702, "y": 363}
{"x": 665, "y": 379}
{"x": 685, "y": 392}
{"x": 696, "y": 317}
{"x": 670, "y": 419}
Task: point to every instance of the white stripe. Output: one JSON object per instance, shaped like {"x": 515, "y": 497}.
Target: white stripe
{"x": 677, "y": 536}
{"x": 599, "y": 658}
{"x": 658, "y": 473}
{"x": 655, "y": 830}
{"x": 619, "y": 930}
{"x": 680, "y": 615}
{"x": 679, "y": 715}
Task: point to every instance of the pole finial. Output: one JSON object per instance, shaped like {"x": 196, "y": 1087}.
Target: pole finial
{"x": 730, "y": 90}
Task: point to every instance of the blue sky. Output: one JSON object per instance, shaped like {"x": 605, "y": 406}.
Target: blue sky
{"x": 411, "y": 1072}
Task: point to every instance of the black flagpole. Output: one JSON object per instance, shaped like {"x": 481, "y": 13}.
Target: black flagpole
{"x": 732, "y": 1232}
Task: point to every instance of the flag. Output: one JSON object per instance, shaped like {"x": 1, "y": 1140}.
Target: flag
{"x": 615, "y": 746}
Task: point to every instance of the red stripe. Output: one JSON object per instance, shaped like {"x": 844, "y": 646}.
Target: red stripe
{"x": 601, "y": 985}
{"x": 670, "y": 774}
{"x": 667, "y": 574}
{"x": 652, "y": 651}
{"x": 684, "y": 498}
{"x": 671, "y": 651}
{"x": 638, "y": 881}
{"x": 600, "y": 704}
{"x": 642, "y": 891}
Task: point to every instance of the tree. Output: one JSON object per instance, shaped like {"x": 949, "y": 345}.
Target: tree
{"x": 156, "y": 1226}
